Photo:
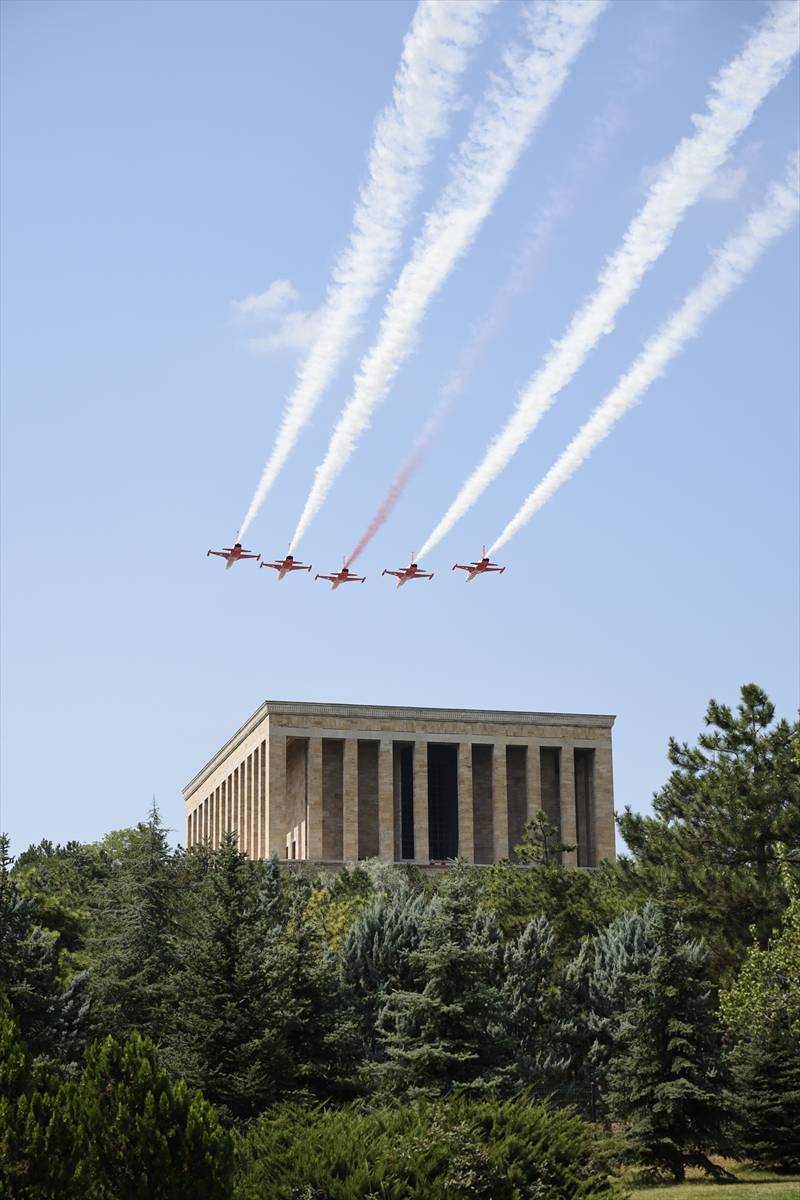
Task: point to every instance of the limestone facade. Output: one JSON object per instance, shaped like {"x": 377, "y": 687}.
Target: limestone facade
{"x": 341, "y": 782}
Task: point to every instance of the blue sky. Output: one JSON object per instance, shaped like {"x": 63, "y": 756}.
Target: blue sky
{"x": 163, "y": 161}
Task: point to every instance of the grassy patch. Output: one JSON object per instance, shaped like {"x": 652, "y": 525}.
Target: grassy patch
{"x": 750, "y": 1184}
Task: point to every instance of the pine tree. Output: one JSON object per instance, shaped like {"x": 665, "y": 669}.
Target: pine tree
{"x": 450, "y": 1031}
{"x": 766, "y": 1073}
{"x": 231, "y": 994}
{"x": 528, "y": 999}
{"x": 321, "y": 1037}
{"x": 665, "y": 1079}
{"x": 711, "y": 846}
{"x": 377, "y": 957}
{"x": 761, "y": 1011}
{"x": 589, "y": 1000}
{"x": 30, "y": 976}
{"x": 134, "y": 955}
{"x": 620, "y": 955}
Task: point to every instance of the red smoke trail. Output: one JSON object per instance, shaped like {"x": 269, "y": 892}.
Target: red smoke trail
{"x": 398, "y": 484}
{"x": 538, "y": 235}
{"x": 454, "y": 386}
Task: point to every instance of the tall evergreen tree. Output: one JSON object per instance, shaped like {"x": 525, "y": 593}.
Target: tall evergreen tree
{"x": 528, "y": 997}
{"x": 766, "y": 1074}
{"x": 377, "y": 957}
{"x": 321, "y": 1038}
{"x": 51, "y": 1023}
{"x": 620, "y": 955}
{"x": 451, "y": 1030}
{"x": 711, "y": 845}
{"x": 134, "y": 957}
{"x": 665, "y": 1079}
{"x": 589, "y": 1000}
{"x": 231, "y": 994}
{"x": 761, "y": 1011}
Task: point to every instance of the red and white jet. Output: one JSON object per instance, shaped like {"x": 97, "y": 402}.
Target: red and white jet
{"x": 343, "y": 576}
{"x": 232, "y": 554}
{"x": 285, "y": 565}
{"x": 412, "y": 571}
{"x": 480, "y": 567}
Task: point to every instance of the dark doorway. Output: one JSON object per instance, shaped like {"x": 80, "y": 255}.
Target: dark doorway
{"x": 550, "y": 760}
{"x": 442, "y": 801}
{"x": 584, "y": 806}
{"x": 405, "y": 767}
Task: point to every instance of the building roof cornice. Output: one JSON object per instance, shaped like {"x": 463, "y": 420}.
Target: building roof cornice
{"x": 393, "y": 712}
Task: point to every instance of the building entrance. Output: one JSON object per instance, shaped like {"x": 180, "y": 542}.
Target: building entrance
{"x": 442, "y": 800}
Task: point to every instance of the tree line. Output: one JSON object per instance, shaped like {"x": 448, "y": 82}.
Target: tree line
{"x": 187, "y": 1022}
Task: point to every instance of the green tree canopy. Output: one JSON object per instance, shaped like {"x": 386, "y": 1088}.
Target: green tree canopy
{"x": 450, "y": 1028}
{"x": 761, "y": 1012}
{"x": 231, "y": 995}
{"x": 665, "y": 1080}
{"x": 133, "y": 946}
{"x": 710, "y": 848}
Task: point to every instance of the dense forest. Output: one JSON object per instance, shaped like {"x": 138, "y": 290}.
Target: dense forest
{"x": 188, "y": 1023}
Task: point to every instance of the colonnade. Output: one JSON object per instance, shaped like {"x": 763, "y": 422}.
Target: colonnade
{"x": 355, "y": 796}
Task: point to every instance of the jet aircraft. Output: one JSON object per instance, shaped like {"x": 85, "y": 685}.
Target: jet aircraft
{"x": 343, "y": 576}
{"x": 480, "y": 567}
{"x": 285, "y": 565}
{"x": 412, "y": 571}
{"x": 232, "y": 554}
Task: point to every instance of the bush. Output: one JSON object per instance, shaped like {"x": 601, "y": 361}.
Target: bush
{"x": 450, "y": 1149}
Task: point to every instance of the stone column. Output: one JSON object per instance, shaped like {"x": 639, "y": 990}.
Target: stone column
{"x": 314, "y": 799}
{"x": 386, "y": 800}
{"x": 350, "y": 801}
{"x": 246, "y": 805}
{"x": 251, "y": 808}
{"x": 604, "y": 828}
{"x": 466, "y": 835}
{"x": 255, "y": 841}
{"x": 277, "y": 794}
{"x": 264, "y": 850}
{"x": 258, "y": 831}
{"x": 421, "y": 842}
{"x": 533, "y": 779}
{"x": 239, "y": 794}
{"x": 569, "y": 832}
{"x": 499, "y": 801}
{"x": 217, "y": 816}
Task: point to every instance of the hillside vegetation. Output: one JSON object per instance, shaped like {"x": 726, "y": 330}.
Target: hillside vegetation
{"x": 182, "y": 1023}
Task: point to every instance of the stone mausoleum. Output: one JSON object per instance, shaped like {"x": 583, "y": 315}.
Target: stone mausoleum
{"x": 334, "y": 783}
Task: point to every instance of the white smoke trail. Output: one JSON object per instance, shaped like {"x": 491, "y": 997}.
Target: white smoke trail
{"x": 435, "y": 54}
{"x": 734, "y": 98}
{"x": 730, "y": 265}
{"x": 514, "y": 104}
